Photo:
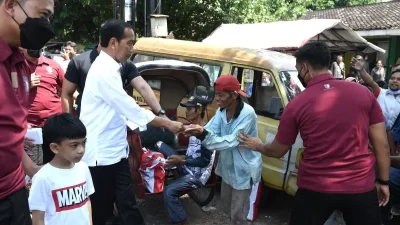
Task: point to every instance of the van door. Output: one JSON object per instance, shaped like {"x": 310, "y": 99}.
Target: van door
{"x": 264, "y": 97}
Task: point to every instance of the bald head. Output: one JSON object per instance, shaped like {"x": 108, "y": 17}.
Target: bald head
{"x": 339, "y": 59}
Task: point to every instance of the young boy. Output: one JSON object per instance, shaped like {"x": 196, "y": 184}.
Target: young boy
{"x": 60, "y": 190}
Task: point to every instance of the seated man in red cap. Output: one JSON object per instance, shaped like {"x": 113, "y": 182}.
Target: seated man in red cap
{"x": 239, "y": 167}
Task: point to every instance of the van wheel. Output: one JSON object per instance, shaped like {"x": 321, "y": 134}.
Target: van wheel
{"x": 203, "y": 196}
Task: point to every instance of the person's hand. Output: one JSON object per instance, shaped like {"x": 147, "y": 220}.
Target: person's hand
{"x": 174, "y": 160}
{"x": 193, "y": 130}
{"x": 383, "y": 194}
{"x": 175, "y": 127}
{"x": 28, "y": 143}
{"x": 35, "y": 80}
{"x": 72, "y": 54}
{"x": 248, "y": 141}
{"x": 65, "y": 55}
{"x": 357, "y": 64}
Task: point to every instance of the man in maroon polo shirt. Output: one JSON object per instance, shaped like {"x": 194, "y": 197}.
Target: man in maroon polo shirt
{"x": 44, "y": 99}
{"x": 337, "y": 169}
{"x": 23, "y": 23}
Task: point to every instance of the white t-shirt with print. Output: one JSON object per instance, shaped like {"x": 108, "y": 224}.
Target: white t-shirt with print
{"x": 62, "y": 194}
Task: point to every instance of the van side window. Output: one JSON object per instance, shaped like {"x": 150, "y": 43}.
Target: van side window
{"x": 267, "y": 100}
{"x": 248, "y": 76}
{"x": 261, "y": 91}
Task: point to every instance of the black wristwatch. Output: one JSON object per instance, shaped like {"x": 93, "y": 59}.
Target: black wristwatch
{"x": 161, "y": 112}
{"x": 382, "y": 182}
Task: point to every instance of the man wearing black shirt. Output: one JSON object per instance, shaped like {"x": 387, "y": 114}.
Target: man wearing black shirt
{"x": 75, "y": 78}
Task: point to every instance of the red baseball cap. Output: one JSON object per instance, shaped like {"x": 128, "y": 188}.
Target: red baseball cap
{"x": 228, "y": 83}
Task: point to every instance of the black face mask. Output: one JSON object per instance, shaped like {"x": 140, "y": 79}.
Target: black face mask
{"x": 34, "y": 53}
{"x": 34, "y": 32}
{"x": 301, "y": 79}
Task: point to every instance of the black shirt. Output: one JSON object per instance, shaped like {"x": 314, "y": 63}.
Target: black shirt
{"x": 79, "y": 67}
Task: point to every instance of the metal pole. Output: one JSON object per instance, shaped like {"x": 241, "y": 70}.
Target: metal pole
{"x": 145, "y": 18}
{"x": 133, "y": 14}
{"x": 159, "y": 6}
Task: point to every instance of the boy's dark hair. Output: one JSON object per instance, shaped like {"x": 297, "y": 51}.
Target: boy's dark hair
{"x": 62, "y": 127}
{"x": 112, "y": 29}
{"x": 316, "y": 54}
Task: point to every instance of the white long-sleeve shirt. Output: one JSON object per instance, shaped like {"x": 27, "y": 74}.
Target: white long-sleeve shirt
{"x": 106, "y": 110}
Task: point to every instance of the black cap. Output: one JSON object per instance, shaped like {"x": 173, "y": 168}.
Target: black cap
{"x": 195, "y": 101}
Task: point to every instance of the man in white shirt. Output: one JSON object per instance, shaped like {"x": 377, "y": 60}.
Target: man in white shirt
{"x": 337, "y": 68}
{"x": 106, "y": 111}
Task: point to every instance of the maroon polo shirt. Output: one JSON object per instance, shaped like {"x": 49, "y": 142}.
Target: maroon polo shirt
{"x": 43, "y": 99}
{"x": 333, "y": 118}
{"x": 13, "y": 114}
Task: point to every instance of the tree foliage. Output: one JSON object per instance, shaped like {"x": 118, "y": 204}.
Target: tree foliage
{"x": 80, "y": 20}
{"x": 196, "y": 19}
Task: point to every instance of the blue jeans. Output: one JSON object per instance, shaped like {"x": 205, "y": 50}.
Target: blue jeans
{"x": 177, "y": 188}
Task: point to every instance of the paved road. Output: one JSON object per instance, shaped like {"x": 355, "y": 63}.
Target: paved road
{"x": 276, "y": 211}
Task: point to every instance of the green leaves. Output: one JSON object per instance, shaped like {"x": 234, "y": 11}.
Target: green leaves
{"x": 79, "y": 20}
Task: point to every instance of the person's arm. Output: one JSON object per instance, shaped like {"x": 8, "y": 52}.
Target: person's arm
{"x": 112, "y": 92}
{"x": 202, "y": 161}
{"x": 37, "y": 217}
{"x": 213, "y": 141}
{"x": 147, "y": 93}
{"x": 379, "y": 141}
{"x": 30, "y": 168}
{"x": 359, "y": 65}
{"x": 286, "y": 136}
{"x": 378, "y": 137}
{"x": 69, "y": 87}
{"x": 67, "y": 96}
{"x": 132, "y": 75}
{"x": 60, "y": 79}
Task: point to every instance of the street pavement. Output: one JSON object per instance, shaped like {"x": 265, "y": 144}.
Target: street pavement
{"x": 275, "y": 211}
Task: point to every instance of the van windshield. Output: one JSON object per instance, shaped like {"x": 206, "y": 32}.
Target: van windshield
{"x": 293, "y": 86}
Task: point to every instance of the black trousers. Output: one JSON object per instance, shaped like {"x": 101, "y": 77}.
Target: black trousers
{"x": 314, "y": 208}
{"x": 14, "y": 209}
{"x": 113, "y": 183}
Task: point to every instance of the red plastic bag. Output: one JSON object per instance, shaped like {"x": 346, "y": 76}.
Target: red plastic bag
{"x": 152, "y": 171}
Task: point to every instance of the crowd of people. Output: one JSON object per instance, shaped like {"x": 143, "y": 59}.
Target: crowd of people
{"x": 84, "y": 171}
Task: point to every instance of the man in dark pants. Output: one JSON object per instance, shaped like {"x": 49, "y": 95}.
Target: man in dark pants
{"x": 106, "y": 111}
{"x": 337, "y": 168}
{"x": 75, "y": 79}
{"x": 25, "y": 24}
{"x": 194, "y": 168}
